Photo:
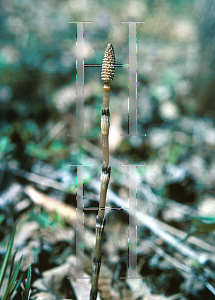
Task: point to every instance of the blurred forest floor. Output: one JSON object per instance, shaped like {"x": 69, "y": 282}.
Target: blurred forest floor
{"x": 175, "y": 184}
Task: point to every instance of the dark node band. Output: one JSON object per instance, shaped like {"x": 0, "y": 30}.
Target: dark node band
{"x": 97, "y": 261}
{"x": 109, "y": 169}
{"x": 98, "y": 220}
{"x": 100, "y": 224}
{"x": 96, "y": 265}
{"x": 105, "y": 112}
{"x": 106, "y": 169}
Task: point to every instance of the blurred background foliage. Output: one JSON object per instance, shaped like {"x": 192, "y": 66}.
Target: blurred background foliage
{"x": 175, "y": 101}
{"x": 38, "y": 76}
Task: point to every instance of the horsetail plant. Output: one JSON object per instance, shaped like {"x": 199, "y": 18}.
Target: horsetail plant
{"x": 107, "y": 75}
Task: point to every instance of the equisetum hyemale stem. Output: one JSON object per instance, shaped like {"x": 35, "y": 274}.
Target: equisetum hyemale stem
{"x": 107, "y": 75}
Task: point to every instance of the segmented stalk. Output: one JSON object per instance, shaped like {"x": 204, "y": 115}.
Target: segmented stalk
{"x": 107, "y": 75}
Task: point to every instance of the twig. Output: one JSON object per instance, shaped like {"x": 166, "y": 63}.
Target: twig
{"x": 51, "y": 205}
{"x": 54, "y": 184}
{"x": 107, "y": 75}
{"x": 52, "y": 133}
{"x": 192, "y": 239}
{"x": 163, "y": 226}
{"x": 171, "y": 259}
